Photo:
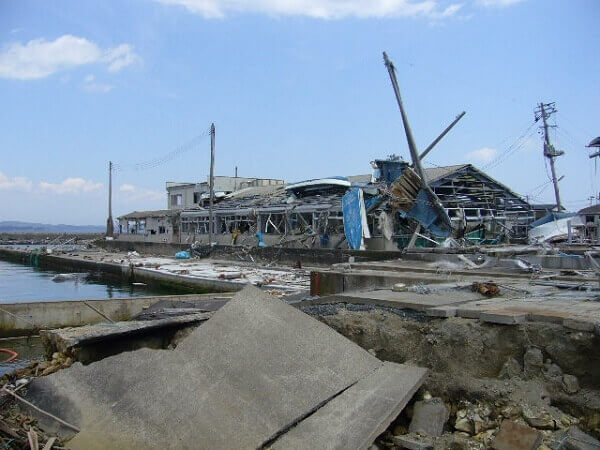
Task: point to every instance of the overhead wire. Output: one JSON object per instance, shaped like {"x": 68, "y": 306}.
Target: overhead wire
{"x": 156, "y": 162}
{"x": 517, "y": 144}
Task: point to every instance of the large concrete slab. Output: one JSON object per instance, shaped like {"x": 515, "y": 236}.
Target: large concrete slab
{"x": 256, "y": 368}
{"x": 576, "y": 310}
{"x": 93, "y": 342}
{"x": 355, "y": 418}
{"x": 405, "y": 299}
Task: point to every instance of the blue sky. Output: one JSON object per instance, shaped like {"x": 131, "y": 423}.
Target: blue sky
{"x": 297, "y": 89}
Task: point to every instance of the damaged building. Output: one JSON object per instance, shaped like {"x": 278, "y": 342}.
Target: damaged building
{"x": 311, "y": 214}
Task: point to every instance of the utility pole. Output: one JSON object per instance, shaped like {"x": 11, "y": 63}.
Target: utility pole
{"x": 439, "y": 138}
{"x": 110, "y": 226}
{"x": 544, "y": 111}
{"x": 414, "y": 154}
{"x": 211, "y": 183}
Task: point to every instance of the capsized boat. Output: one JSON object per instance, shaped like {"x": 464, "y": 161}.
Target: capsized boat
{"x": 554, "y": 227}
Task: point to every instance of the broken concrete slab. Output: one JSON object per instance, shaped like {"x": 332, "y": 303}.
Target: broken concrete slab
{"x": 413, "y": 442}
{"x": 254, "y": 370}
{"x": 355, "y": 418}
{"x": 514, "y": 436}
{"x": 575, "y": 439}
{"x": 65, "y": 339}
{"x": 404, "y": 299}
{"x": 580, "y": 324}
{"x": 503, "y": 317}
{"x": 442, "y": 311}
{"x": 429, "y": 417}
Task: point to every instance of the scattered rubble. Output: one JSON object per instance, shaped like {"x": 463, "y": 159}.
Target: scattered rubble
{"x": 485, "y": 375}
{"x": 429, "y": 417}
{"x": 514, "y": 436}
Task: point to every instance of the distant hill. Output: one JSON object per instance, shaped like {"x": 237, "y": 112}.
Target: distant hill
{"x": 13, "y": 226}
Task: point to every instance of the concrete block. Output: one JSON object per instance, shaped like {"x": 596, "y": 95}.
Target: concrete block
{"x": 429, "y": 417}
{"x": 65, "y": 339}
{"x": 575, "y": 439}
{"x": 258, "y": 368}
{"x": 412, "y": 442}
{"x": 442, "y": 311}
{"x": 513, "y": 436}
{"x": 547, "y": 316}
{"x": 579, "y": 325}
{"x": 355, "y": 418}
{"x": 469, "y": 313}
{"x": 503, "y": 317}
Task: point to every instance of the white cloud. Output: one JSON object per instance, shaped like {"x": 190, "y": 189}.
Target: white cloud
{"x": 121, "y": 57}
{"x": 127, "y": 188}
{"x": 130, "y": 192}
{"x": 90, "y": 85}
{"x": 451, "y": 10}
{"x": 74, "y": 185}
{"x": 497, "y": 3}
{"x": 15, "y": 183}
{"x": 484, "y": 154}
{"x": 318, "y": 9}
{"x": 39, "y": 58}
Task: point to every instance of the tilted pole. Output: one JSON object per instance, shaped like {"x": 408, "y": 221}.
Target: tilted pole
{"x": 110, "y": 227}
{"x": 211, "y": 183}
{"x": 414, "y": 154}
{"x": 439, "y": 138}
{"x": 549, "y": 151}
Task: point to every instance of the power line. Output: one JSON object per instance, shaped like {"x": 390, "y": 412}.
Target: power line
{"x": 517, "y": 144}
{"x": 156, "y": 162}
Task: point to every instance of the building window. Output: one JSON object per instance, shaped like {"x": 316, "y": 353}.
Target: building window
{"x": 161, "y": 230}
{"x": 176, "y": 200}
{"x": 196, "y": 197}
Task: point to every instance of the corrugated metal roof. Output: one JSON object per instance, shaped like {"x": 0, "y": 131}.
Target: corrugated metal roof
{"x": 435, "y": 173}
{"x": 590, "y": 210}
{"x": 144, "y": 214}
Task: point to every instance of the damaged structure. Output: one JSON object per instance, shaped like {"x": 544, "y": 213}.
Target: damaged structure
{"x": 399, "y": 205}
{"x": 310, "y": 214}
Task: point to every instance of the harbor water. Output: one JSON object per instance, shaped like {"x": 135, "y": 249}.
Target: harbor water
{"x": 24, "y": 283}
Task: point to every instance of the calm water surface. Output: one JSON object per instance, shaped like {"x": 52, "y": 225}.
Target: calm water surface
{"x": 22, "y": 283}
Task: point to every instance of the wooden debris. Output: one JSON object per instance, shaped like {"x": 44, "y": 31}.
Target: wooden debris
{"x": 49, "y": 443}
{"x": 488, "y": 289}
{"x": 6, "y": 429}
{"x": 46, "y": 413}
{"x": 32, "y": 438}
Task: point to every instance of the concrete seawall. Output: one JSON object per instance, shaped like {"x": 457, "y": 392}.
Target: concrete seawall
{"x": 21, "y": 319}
{"x": 64, "y": 262}
{"x": 153, "y": 278}
{"x": 196, "y": 284}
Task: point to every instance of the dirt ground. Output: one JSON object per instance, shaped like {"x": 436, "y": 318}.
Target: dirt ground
{"x": 540, "y": 374}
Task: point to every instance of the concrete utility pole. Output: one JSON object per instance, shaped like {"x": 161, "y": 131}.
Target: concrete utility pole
{"x": 544, "y": 111}
{"x": 211, "y": 183}
{"x": 110, "y": 226}
{"x": 414, "y": 154}
{"x": 444, "y": 133}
